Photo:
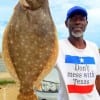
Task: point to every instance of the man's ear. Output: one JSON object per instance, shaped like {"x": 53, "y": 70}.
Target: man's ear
{"x": 86, "y": 23}
{"x": 66, "y": 24}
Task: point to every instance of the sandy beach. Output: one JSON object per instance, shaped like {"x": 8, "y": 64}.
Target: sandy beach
{"x": 9, "y": 91}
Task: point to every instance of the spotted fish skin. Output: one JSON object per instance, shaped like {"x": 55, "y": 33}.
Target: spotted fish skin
{"x": 30, "y": 45}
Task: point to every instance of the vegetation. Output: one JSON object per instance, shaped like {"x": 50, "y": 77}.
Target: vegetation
{"x": 5, "y": 82}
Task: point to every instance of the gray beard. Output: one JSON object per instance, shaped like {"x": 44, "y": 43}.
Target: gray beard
{"x": 77, "y": 35}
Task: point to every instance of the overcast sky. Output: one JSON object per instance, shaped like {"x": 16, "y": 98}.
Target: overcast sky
{"x": 58, "y": 10}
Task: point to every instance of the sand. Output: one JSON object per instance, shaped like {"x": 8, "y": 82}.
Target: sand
{"x": 10, "y": 91}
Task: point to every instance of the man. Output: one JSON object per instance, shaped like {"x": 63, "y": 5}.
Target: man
{"x": 78, "y": 61}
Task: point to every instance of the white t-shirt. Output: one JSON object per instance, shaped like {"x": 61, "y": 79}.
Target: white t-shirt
{"x": 77, "y": 70}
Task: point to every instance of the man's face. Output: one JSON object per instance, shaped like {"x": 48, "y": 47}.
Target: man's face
{"x": 76, "y": 25}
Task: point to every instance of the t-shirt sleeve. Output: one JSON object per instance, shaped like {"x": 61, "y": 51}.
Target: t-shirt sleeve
{"x": 98, "y": 61}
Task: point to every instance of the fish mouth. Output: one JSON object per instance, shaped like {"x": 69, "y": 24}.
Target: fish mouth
{"x": 30, "y": 5}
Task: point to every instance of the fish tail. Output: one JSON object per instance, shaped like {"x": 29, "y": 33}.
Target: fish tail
{"x": 27, "y": 96}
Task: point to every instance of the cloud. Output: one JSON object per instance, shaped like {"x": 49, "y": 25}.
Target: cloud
{"x": 58, "y": 10}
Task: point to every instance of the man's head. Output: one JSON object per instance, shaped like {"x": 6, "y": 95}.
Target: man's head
{"x": 76, "y": 21}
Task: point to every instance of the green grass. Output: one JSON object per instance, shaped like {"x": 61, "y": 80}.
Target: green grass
{"x": 5, "y": 82}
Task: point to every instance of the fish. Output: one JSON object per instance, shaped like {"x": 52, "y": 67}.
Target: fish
{"x": 30, "y": 45}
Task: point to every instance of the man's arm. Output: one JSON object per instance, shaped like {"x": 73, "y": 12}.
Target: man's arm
{"x": 98, "y": 83}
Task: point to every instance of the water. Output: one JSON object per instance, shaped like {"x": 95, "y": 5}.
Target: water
{"x": 52, "y": 76}
{"x": 2, "y": 66}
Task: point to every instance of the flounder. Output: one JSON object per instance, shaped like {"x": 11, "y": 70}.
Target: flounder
{"x": 30, "y": 45}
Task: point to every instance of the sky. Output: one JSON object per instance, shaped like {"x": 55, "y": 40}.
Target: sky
{"x": 58, "y": 10}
